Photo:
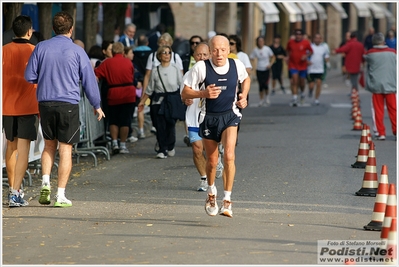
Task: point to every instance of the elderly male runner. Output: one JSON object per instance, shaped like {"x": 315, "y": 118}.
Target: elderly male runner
{"x": 219, "y": 116}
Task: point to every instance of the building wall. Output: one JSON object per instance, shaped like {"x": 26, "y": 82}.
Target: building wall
{"x": 192, "y": 18}
{"x": 226, "y": 17}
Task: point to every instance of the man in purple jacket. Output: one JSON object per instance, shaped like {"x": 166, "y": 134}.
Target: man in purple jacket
{"x": 58, "y": 66}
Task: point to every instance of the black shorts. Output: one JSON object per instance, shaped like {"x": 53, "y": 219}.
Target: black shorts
{"x": 312, "y": 77}
{"x": 277, "y": 69}
{"x": 214, "y": 124}
{"x": 24, "y": 127}
{"x": 121, "y": 115}
{"x": 263, "y": 79}
{"x": 60, "y": 121}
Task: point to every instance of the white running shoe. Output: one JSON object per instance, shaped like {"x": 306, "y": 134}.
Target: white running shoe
{"x": 211, "y": 207}
{"x": 161, "y": 155}
{"x": 172, "y": 153}
{"x": 62, "y": 202}
{"x": 226, "y": 209}
{"x": 132, "y": 139}
{"x": 267, "y": 100}
{"x": 203, "y": 186}
{"x": 124, "y": 150}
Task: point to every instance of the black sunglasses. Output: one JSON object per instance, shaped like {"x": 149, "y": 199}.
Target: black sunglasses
{"x": 166, "y": 52}
{"x": 232, "y": 43}
{"x": 194, "y": 43}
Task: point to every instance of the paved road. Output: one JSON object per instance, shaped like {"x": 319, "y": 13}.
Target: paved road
{"x": 294, "y": 186}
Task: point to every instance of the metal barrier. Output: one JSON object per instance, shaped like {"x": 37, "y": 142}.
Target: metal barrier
{"x": 90, "y": 130}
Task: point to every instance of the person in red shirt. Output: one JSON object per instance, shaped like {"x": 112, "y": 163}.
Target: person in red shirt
{"x": 354, "y": 51}
{"x": 118, "y": 71}
{"x": 298, "y": 50}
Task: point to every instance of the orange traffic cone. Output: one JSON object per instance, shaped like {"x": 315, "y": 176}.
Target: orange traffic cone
{"x": 380, "y": 202}
{"x": 355, "y": 93}
{"x": 390, "y": 213}
{"x": 363, "y": 150}
{"x": 370, "y": 178}
{"x": 357, "y": 125}
{"x": 392, "y": 243}
{"x": 355, "y": 108}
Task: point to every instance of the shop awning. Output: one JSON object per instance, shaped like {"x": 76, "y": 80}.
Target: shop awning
{"x": 295, "y": 13}
{"x": 362, "y": 9}
{"x": 320, "y": 11}
{"x": 378, "y": 12}
{"x": 270, "y": 12}
{"x": 308, "y": 11}
{"x": 340, "y": 10}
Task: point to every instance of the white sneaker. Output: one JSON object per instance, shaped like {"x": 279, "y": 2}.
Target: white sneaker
{"x": 267, "y": 100}
{"x": 141, "y": 135}
{"x": 115, "y": 149}
{"x": 261, "y": 103}
{"x": 380, "y": 137}
{"x": 226, "y": 209}
{"x": 62, "y": 202}
{"x": 203, "y": 186}
{"x": 161, "y": 155}
{"x": 172, "y": 153}
{"x": 124, "y": 150}
{"x": 211, "y": 207}
{"x": 132, "y": 139}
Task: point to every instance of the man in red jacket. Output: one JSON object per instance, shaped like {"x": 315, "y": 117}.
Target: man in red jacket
{"x": 354, "y": 51}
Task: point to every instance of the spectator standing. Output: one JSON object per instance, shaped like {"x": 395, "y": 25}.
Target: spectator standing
{"x": 141, "y": 54}
{"x": 219, "y": 116}
{"x": 118, "y": 72}
{"x": 127, "y": 38}
{"x": 381, "y": 81}
{"x": 107, "y": 53}
{"x": 152, "y": 61}
{"x": 155, "y": 35}
{"x": 277, "y": 67}
{"x": 265, "y": 59}
{"x": 368, "y": 44}
{"x": 354, "y": 52}
{"x": 58, "y": 92}
{"x": 316, "y": 68}
{"x": 298, "y": 51}
{"x": 96, "y": 55}
{"x": 391, "y": 40}
{"x": 194, "y": 41}
{"x": 201, "y": 52}
{"x": 79, "y": 43}
{"x": 166, "y": 76}
{"x": 117, "y": 31}
{"x": 20, "y": 108}
{"x": 138, "y": 83}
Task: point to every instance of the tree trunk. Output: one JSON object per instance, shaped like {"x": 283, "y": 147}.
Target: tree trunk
{"x": 10, "y": 12}
{"x": 113, "y": 15}
{"x": 45, "y": 19}
{"x": 71, "y": 9}
{"x": 90, "y": 22}
{"x": 109, "y": 21}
